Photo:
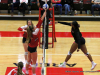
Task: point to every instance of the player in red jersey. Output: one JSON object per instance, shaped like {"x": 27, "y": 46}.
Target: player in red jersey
{"x": 32, "y": 40}
{"x": 18, "y": 70}
{"x": 25, "y": 45}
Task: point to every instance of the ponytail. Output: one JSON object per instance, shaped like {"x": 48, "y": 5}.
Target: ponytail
{"x": 19, "y": 70}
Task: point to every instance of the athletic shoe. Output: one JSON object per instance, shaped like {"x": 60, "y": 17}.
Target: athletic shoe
{"x": 93, "y": 66}
{"x": 62, "y": 65}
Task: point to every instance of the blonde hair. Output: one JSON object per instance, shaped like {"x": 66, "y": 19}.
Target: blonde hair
{"x": 19, "y": 70}
{"x": 29, "y": 33}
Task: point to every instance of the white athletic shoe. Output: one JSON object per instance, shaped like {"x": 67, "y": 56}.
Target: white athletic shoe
{"x": 93, "y": 66}
{"x": 62, "y": 65}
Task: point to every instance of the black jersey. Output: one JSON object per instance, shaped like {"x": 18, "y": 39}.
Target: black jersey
{"x": 75, "y": 33}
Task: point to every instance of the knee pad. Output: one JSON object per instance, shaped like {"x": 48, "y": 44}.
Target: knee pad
{"x": 69, "y": 53}
{"x": 26, "y": 53}
{"x": 33, "y": 65}
{"x": 87, "y": 54}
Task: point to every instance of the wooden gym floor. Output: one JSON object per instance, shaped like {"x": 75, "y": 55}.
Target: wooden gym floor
{"x": 12, "y": 51}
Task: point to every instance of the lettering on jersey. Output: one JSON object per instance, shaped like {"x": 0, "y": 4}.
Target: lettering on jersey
{"x": 36, "y": 39}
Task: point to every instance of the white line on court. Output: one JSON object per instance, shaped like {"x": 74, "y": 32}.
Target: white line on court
{"x": 53, "y": 54}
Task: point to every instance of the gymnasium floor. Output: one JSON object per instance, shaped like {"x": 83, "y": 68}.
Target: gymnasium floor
{"x": 12, "y": 51}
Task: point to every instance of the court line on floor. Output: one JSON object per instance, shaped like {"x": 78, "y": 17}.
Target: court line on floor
{"x": 53, "y": 54}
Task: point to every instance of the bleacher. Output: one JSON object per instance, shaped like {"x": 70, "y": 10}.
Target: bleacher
{"x": 80, "y": 6}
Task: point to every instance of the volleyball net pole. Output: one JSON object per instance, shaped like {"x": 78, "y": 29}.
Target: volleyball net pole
{"x": 44, "y": 43}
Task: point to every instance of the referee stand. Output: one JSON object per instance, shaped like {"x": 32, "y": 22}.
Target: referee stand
{"x": 48, "y": 25}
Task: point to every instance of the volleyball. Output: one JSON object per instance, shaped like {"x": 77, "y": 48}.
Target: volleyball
{"x": 45, "y": 6}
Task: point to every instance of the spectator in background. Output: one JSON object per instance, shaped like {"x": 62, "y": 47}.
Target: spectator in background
{"x": 41, "y": 2}
{"x": 12, "y": 4}
{"x": 95, "y": 4}
{"x": 67, "y": 5}
{"x": 58, "y": 4}
{"x": 24, "y": 5}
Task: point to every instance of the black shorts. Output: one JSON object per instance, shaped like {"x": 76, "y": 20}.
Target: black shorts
{"x": 31, "y": 50}
{"x": 23, "y": 40}
{"x": 82, "y": 41}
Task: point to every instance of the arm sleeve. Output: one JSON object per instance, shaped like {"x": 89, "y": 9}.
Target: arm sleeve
{"x": 36, "y": 31}
{"x": 79, "y": 41}
{"x": 39, "y": 23}
{"x": 65, "y": 23}
{"x": 22, "y": 28}
{"x": 37, "y": 27}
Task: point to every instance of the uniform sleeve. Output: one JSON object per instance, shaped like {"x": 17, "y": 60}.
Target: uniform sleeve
{"x": 39, "y": 23}
{"x": 65, "y": 23}
{"x": 78, "y": 39}
{"x": 36, "y": 31}
{"x": 22, "y": 28}
{"x": 37, "y": 27}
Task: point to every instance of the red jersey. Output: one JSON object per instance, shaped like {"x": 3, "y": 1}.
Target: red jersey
{"x": 25, "y": 35}
{"x": 34, "y": 40}
{"x": 35, "y": 36}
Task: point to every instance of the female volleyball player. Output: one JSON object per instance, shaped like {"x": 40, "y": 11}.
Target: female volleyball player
{"x": 32, "y": 40}
{"x": 25, "y": 45}
{"x": 17, "y": 71}
{"x": 79, "y": 43}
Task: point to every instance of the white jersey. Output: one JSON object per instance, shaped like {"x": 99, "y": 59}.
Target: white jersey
{"x": 35, "y": 32}
{"x": 26, "y": 1}
{"x": 0, "y": 0}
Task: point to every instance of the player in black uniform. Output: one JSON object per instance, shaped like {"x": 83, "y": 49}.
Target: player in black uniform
{"x": 79, "y": 43}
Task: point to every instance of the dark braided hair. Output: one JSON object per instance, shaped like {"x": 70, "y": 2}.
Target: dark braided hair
{"x": 76, "y": 25}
